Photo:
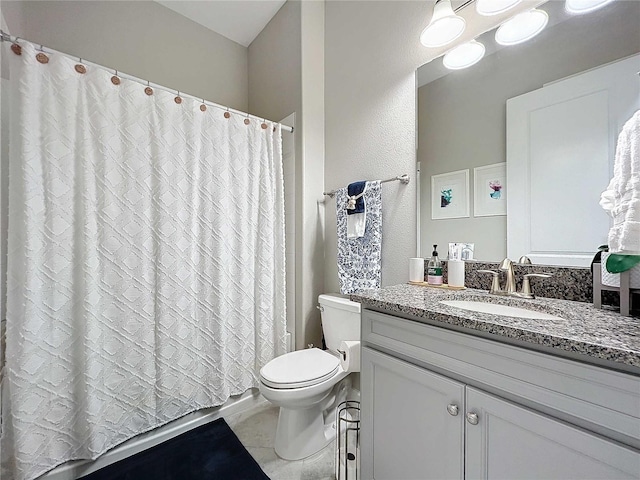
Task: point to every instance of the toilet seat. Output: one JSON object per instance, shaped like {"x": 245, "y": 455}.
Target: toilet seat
{"x": 298, "y": 369}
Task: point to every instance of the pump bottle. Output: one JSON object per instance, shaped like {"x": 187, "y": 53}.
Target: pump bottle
{"x": 434, "y": 268}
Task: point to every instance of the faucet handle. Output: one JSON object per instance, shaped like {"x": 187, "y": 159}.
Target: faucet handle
{"x": 524, "y": 260}
{"x": 495, "y": 283}
{"x": 526, "y": 283}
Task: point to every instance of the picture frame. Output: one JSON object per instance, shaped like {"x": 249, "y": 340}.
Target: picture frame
{"x": 490, "y": 190}
{"x": 450, "y": 195}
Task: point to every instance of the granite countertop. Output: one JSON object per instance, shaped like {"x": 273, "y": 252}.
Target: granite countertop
{"x": 584, "y": 330}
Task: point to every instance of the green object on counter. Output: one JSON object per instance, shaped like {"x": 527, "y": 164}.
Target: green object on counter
{"x": 617, "y": 263}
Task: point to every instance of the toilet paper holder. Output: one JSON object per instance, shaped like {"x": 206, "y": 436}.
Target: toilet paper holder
{"x": 348, "y": 444}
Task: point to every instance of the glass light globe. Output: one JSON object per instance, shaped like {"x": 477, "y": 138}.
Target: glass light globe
{"x": 522, "y": 27}
{"x": 584, "y": 6}
{"x": 464, "y": 56}
{"x": 494, "y": 7}
{"x": 445, "y": 26}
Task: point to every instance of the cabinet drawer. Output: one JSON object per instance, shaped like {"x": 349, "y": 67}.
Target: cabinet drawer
{"x": 604, "y": 401}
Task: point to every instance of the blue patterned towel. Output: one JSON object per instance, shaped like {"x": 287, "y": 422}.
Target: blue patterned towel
{"x": 359, "y": 258}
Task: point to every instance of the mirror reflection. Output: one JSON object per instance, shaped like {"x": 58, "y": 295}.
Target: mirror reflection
{"x": 528, "y": 182}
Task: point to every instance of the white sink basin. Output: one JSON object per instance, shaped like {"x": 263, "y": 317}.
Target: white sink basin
{"x": 494, "y": 309}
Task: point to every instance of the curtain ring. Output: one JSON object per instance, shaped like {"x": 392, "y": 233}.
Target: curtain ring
{"x": 148, "y": 90}
{"x": 178, "y": 99}
{"x": 227, "y": 114}
{"x": 15, "y": 46}
{"x": 115, "y": 79}
{"x": 80, "y": 68}
{"x": 246, "y": 120}
{"x": 203, "y": 107}
{"x": 264, "y": 124}
{"x": 42, "y": 57}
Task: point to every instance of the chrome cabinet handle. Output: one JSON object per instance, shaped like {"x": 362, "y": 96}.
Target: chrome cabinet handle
{"x": 452, "y": 409}
{"x": 472, "y": 418}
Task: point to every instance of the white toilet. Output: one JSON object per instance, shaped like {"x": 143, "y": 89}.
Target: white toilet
{"x": 308, "y": 384}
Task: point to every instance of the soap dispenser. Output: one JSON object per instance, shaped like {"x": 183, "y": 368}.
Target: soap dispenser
{"x": 434, "y": 268}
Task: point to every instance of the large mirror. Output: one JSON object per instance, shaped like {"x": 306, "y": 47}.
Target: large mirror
{"x": 543, "y": 154}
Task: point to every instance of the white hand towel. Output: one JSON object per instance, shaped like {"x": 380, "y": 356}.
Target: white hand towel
{"x": 608, "y": 198}
{"x": 356, "y": 222}
{"x": 622, "y": 197}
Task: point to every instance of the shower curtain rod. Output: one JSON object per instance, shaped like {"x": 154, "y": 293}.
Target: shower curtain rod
{"x": 404, "y": 179}
{"x": 5, "y": 37}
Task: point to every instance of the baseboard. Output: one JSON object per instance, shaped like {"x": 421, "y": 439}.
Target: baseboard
{"x": 238, "y": 404}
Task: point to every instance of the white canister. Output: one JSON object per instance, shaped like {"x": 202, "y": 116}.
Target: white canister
{"x": 416, "y": 269}
{"x": 455, "y": 273}
{"x": 613, "y": 279}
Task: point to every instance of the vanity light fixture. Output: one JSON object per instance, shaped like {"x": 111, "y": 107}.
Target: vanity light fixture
{"x": 445, "y": 26}
{"x": 494, "y": 7}
{"x": 584, "y": 6}
{"x": 464, "y": 55}
{"x": 522, "y": 27}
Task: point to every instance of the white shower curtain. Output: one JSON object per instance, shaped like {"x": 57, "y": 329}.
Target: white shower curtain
{"x": 146, "y": 260}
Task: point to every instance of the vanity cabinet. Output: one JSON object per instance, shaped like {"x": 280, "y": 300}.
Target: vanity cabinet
{"x": 405, "y": 408}
{"x": 438, "y": 404}
{"x": 511, "y": 441}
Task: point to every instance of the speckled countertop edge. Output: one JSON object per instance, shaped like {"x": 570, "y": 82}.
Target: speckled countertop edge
{"x": 583, "y": 329}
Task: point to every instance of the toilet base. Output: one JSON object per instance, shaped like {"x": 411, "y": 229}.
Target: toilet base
{"x": 303, "y": 432}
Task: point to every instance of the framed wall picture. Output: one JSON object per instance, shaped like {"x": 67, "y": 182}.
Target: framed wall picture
{"x": 450, "y": 195}
{"x": 490, "y": 190}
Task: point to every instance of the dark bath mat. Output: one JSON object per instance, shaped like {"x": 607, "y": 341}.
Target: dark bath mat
{"x": 209, "y": 452}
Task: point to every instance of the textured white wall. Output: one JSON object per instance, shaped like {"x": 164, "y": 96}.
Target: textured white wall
{"x": 141, "y": 38}
{"x": 311, "y": 218}
{"x": 372, "y": 50}
{"x": 371, "y": 54}
{"x": 286, "y": 74}
{"x": 275, "y": 66}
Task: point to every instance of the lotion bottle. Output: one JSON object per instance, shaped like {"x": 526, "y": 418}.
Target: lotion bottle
{"x": 434, "y": 268}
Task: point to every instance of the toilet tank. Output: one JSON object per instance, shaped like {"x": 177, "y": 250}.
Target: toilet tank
{"x": 340, "y": 319}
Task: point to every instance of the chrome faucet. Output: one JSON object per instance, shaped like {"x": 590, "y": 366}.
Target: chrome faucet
{"x": 510, "y": 283}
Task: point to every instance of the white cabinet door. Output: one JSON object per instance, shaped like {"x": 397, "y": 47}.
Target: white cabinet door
{"x": 513, "y": 442}
{"x": 407, "y": 431}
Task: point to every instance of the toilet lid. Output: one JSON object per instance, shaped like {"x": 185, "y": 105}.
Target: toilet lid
{"x": 302, "y": 368}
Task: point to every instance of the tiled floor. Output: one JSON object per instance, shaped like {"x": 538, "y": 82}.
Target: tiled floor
{"x": 256, "y": 429}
